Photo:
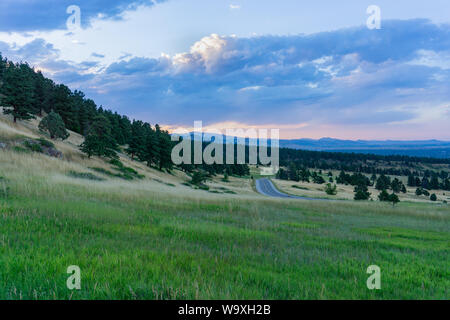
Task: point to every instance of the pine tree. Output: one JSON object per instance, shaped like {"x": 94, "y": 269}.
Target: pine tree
{"x": 425, "y": 183}
{"x": 361, "y": 192}
{"x": 434, "y": 182}
{"x": 99, "y": 141}
{"x": 396, "y": 185}
{"x": 62, "y": 103}
{"x": 137, "y": 142}
{"x": 165, "y": 154}
{"x": 17, "y": 90}
{"x": 411, "y": 181}
{"x": 383, "y": 183}
{"x": 383, "y": 196}
{"x": 152, "y": 149}
{"x": 393, "y": 198}
{"x": 54, "y": 125}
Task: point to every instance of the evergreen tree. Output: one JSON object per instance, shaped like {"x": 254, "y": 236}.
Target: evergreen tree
{"x": 418, "y": 182}
{"x": 419, "y": 191}
{"x": 425, "y": 183}
{"x": 293, "y": 172}
{"x": 152, "y": 148}
{"x": 434, "y": 182}
{"x": 361, "y": 193}
{"x": 62, "y": 104}
{"x": 165, "y": 155}
{"x": 393, "y": 198}
{"x": 383, "y": 183}
{"x": 137, "y": 141}
{"x": 198, "y": 178}
{"x": 17, "y": 90}
{"x": 411, "y": 181}
{"x": 396, "y": 185}
{"x": 99, "y": 141}
{"x": 54, "y": 125}
{"x": 383, "y": 196}
{"x": 433, "y": 197}
{"x": 403, "y": 188}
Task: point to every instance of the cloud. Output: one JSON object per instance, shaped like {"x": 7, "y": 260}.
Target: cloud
{"x": 235, "y": 6}
{"x": 370, "y": 79}
{"x": 31, "y": 15}
{"x": 97, "y": 55}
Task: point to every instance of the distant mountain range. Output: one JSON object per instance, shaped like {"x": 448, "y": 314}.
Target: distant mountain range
{"x": 413, "y": 148}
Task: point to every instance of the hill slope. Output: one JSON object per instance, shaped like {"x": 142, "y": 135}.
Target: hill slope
{"x": 154, "y": 238}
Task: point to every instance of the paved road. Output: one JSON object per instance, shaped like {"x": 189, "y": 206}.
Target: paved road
{"x": 266, "y": 187}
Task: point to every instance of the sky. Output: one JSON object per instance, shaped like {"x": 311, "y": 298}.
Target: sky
{"x": 310, "y": 68}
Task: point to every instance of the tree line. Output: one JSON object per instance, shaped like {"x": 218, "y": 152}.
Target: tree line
{"x": 25, "y": 93}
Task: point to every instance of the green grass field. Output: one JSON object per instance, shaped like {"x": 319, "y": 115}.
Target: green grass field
{"x": 137, "y": 243}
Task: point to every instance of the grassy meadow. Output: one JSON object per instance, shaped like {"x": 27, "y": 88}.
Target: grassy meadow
{"x": 155, "y": 238}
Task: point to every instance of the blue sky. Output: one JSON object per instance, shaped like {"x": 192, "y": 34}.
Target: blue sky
{"x": 311, "y": 69}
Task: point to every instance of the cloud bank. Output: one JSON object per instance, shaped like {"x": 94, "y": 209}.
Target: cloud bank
{"x": 32, "y": 15}
{"x": 385, "y": 80}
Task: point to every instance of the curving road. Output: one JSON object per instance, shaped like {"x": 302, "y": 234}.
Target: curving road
{"x": 266, "y": 187}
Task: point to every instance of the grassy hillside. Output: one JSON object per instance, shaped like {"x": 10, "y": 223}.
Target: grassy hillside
{"x": 155, "y": 238}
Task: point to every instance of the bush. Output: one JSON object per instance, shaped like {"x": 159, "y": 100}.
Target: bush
{"x": 197, "y": 178}
{"x": 433, "y": 197}
{"x": 84, "y": 175}
{"x": 35, "y": 147}
{"x": 419, "y": 191}
{"x": 331, "y": 190}
{"x": 45, "y": 143}
{"x": 20, "y": 149}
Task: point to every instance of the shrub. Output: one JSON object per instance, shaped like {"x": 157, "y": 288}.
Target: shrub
{"x": 45, "y": 143}
{"x": 84, "y": 175}
{"x": 433, "y": 197}
{"x": 35, "y": 147}
{"x": 20, "y": 149}
{"x": 197, "y": 178}
{"x": 331, "y": 190}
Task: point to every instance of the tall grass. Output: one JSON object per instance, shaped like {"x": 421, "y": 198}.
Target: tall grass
{"x": 146, "y": 240}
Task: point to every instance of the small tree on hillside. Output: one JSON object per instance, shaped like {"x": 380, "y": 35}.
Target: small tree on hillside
{"x": 17, "y": 90}
{"x": 331, "y": 189}
{"x": 393, "y": 198}
{"x": 383, "y": 196}
{"x": 54, "y": 125}
{"x": 361, "y": 193}
{"x": 433, "y": 197}
{"x": 198, "y": 178}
